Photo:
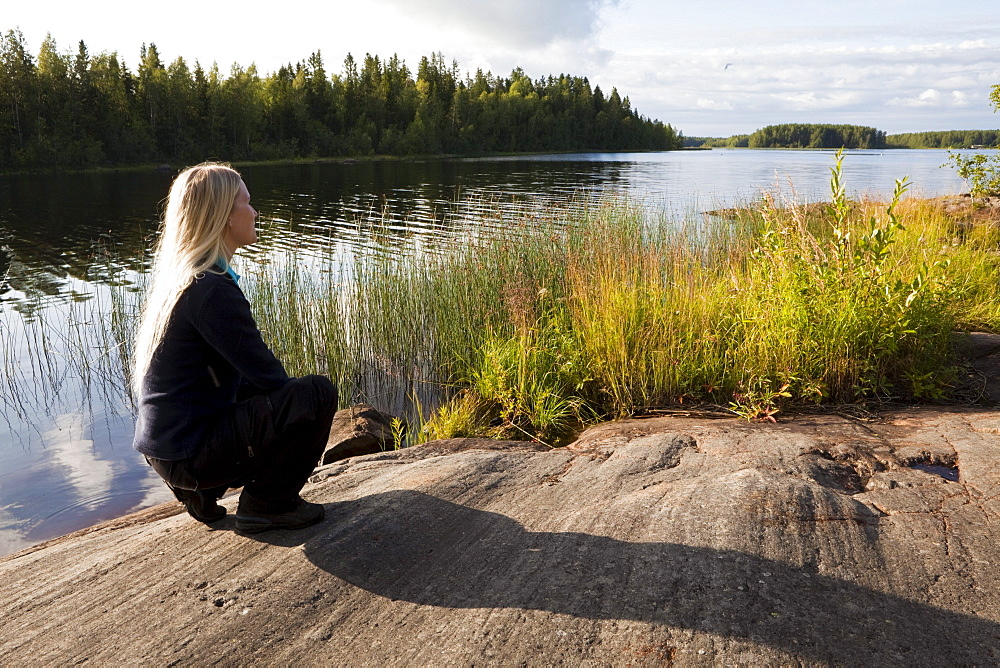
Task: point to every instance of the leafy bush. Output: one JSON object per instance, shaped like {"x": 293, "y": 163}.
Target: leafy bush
{"x": 981, "y": 172}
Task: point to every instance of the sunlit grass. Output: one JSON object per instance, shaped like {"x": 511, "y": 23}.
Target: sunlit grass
{"x": 547, "y": 323}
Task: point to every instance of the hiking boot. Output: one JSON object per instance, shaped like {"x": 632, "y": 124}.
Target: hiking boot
{"x": 202, "y": 504}
{"x": 252, "y": 516}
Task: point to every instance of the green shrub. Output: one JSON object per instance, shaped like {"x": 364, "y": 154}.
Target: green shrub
{"x": 981, "y": 172}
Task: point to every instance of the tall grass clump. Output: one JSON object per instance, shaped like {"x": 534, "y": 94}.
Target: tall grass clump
{"x": 547, "y": 320}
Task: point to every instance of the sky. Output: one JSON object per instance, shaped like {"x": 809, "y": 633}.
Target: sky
{"x": 708, "y": 67}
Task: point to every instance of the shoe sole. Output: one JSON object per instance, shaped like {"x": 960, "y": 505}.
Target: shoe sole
{"x": 248, "y": 525}
{"x": 205, "y": 519}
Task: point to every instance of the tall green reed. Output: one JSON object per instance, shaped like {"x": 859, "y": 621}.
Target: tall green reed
{"x": 606, "y": 312}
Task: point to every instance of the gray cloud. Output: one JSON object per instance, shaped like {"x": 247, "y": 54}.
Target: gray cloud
{"x": 520, "y": 23}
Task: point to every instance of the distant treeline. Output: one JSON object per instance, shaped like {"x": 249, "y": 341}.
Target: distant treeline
{"x": 848, "y": 136}
{"x": 799, "y": 135}
{"x": 945, "y": 139}
{"x": 70, "y": 111}
{"x": 736, "y": 141}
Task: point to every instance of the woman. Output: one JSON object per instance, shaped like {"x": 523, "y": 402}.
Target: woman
{"x": 216, "y": 408}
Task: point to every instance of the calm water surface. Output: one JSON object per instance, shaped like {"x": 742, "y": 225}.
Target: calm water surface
{"x": 67, "y": 460}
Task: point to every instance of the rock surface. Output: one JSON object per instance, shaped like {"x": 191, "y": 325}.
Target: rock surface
{"x": 966, "y": 209}
{"x": 667, "y": 541}
{"x": 982, "y": 353}
{"x": 359, "y": 430}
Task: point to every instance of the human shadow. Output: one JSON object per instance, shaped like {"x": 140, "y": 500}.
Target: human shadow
{"x": 410, "y": 546}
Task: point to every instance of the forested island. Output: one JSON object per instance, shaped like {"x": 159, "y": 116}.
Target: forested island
{"x": 799, "y": 135}
{"x": 60, "y": 110}
{"x": 813, "y": 135}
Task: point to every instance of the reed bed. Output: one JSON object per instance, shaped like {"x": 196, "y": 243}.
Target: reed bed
{"x": 540, "y": 320}
{"x": 545, "y": 323}
{"x": 67, "y": 355}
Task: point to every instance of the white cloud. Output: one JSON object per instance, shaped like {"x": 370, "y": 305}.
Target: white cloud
{"x": 713, "y": 105}
{"x": 558, "y": 57}
{"x": 90, "y": 477}
{"x": 12, "y": 532}
{"x": 932, "y": 98}
{"x": 812, "y": 100}
{"x": 927, "y": 98}
{"x": 815, "y": 81}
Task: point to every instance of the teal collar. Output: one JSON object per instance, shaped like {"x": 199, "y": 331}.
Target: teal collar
{"x": 228, "y": 269}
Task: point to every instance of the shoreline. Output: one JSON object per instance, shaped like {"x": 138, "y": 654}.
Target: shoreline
{"x": 429, "y": 157}
{"x": 343, "y": 160}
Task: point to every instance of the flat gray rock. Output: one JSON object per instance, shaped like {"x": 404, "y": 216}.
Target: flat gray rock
{"x": 668, "y": 541}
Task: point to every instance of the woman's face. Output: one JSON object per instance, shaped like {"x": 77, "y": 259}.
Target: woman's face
{"x": 241, "y": 230}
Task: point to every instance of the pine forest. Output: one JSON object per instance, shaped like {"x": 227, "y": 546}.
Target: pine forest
{"x": 69, "y": 111}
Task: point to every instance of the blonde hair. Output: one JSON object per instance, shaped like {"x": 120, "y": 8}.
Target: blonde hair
{"x": 192, "y": 239}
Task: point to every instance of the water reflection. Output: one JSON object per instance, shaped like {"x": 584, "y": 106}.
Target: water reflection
{"x": 61, "y": 226}
{"x": 4, "y": 270}
{"x": 78, "y": 472}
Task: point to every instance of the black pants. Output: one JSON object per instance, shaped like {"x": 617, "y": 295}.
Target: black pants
{"x": 268, "y": 443}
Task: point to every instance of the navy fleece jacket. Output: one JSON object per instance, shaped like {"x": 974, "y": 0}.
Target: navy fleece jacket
{"x": 211, "y": 345}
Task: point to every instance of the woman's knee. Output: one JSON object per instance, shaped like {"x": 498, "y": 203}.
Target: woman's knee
{"x": 304, "y": 398}
{"x": 324, "y": 391}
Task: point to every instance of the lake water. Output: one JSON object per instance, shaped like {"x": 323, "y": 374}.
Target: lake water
{"x": 65, "y": 446}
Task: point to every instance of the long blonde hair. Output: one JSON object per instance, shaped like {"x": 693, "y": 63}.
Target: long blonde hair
{"x": 192, "y": 239}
